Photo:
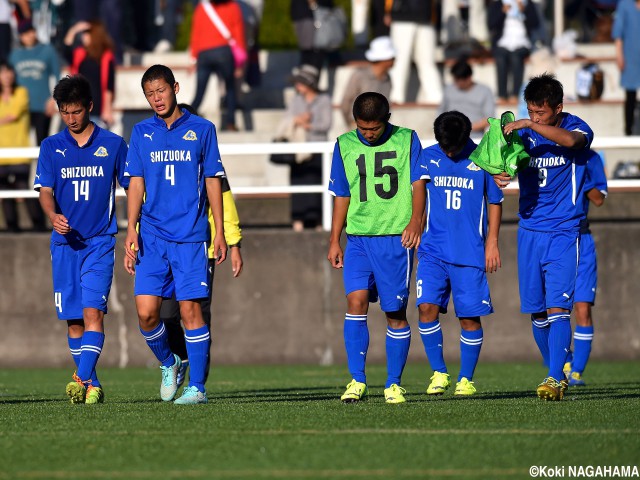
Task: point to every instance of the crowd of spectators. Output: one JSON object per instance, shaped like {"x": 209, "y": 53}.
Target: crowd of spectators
{"x": 39, "y": 37}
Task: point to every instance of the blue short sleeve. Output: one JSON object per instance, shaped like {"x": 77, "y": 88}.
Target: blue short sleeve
{"x": 338, "y": 184}
{"x": 133, "y": 164}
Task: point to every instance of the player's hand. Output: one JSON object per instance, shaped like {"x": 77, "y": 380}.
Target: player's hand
{"x": 411, "y": 234}
{"x": 492, "y": 257}
{"x": 60, "y": 224}
{"x": 502, "y": 179}
{"x": 517, "y": 125}
{"x": 219, "y": 248}
{"x": 131, "y": 248}
{"x": 236, "y": 262}
{"x": 336, "y": 255}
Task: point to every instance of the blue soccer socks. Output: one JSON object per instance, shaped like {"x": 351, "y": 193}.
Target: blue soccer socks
{"x": 559, "y": 343}
{"x": 540, "y": 329}
{"x": 158, "y": 342}
{"x": 470, "y": 345}
{"x": 75, "y": 348}
{"x": 397, "y": 345}
{"x": 90, "y": 351}
{"x": 431, "y": 335}
{"x": 356, "y": 342}
{"x": 582, "y": 338}
{"x": 198, "y": 341}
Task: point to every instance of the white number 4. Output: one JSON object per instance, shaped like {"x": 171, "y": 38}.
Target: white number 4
{"x": 57, "y": 300}
{"x": 170, "y": 174}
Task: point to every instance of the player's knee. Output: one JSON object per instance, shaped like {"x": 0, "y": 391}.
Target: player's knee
{"x": 583, "y": 314}
{"x": 470, "y": 324}
{"x": 428, "y": 312}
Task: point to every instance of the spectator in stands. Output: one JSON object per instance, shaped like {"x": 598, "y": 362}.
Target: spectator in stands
{"x": 211, "y": 53}
{"x": 309, "y": 112}
{"x": 414, "y": 37}
{"x": 14, "y": 132}
{"x": 110, "y": 12}
{"x": 6, "y": 11}
{"x": 626, "y": 33}
{"x": 303, "y": 24}
{"x": 36, "y": 64}
{"x": 511, "y": 23}
{"x": 372, "y": 78}
{"x": 474, "y": 100}
{"x": 89, "y": 51}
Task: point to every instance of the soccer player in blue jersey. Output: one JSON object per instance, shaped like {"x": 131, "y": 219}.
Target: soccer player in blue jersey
{"x": 379, "y": 189}
{"x": 76, "y": 176}
{"x": 550, "y": 212}
{"x": 456, "y": 249}
{"x": 587, "y": 280}
{"x": 174, "y": 160}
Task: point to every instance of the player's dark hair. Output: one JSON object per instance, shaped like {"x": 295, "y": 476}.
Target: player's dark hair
{"x": 452, "y": 130}
{"x": 543, "y": 89}
{"x": 158, "y": 72}
{"x": 73, "y": 89}
{"x": 371, "y": 107}
{"x": 461, "y": 69}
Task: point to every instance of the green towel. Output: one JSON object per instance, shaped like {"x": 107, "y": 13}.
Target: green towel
{"x": 497, "y": 153}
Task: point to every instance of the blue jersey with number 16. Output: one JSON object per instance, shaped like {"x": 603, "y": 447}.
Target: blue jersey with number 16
{"x": 83, "y": 180}
{"x": 174, "y": 163}
{"x": 456, "y": 207}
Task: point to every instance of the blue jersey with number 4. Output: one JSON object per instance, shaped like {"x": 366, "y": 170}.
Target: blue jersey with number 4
{"x": 83, "y": 180}
{"x": 552, "y": 186}
{"x": 174, "y": 163}
{"x": 457, "y": 207}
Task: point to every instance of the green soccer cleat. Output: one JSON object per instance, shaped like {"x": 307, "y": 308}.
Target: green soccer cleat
{"x": 169, "y": 384}
{"x": 575, "y": 380}
{"x": 94, "y": 395}
{"x": 191, "y": 396}
{"x": 355, "y": 392}
{"x": 76, "y": 390}
{"x": 550, "y": 389}
{"x": 439, "y": 383}
{"x": 566, "y": 370}
{"x": 464, "y": 387}
{"x": 394, "y": 394}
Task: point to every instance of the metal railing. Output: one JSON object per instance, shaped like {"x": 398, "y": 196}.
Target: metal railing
{"x": 326, "y": 149}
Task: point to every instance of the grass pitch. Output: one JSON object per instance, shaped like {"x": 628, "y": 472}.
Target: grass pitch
{"x": 288, "y": 422}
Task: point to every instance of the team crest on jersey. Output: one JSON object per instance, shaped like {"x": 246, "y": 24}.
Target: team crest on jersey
{"x": 473, "y": 167}
{"x": 101, "y": 152}
{"x": 190, "y": 135}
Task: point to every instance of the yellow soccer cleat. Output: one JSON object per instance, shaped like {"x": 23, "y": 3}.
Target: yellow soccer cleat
{"x": 394, "y": 394}
{"x": 94, "y": 395}
{"x": 575, "y": 380}
{"x": 76, "y": 390}
{"x": 566, "y": 369}
{"x": 439, "y": 383}
{"x": 464, "y": 387}
{"x": 550, "y": 389}
{"x": 355, "y": 392}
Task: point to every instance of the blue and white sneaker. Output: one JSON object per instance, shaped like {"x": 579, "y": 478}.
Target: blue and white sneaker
{"x": 169, "y": 384}
{"x": 191, "y": 396}
{"x": 182, "y": 372}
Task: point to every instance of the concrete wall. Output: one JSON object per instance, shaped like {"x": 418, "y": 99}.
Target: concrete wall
{"x": 288, "y": 305}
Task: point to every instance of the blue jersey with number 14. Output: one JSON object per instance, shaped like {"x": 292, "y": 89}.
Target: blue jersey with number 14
{"x": 456, "y": 207}
{"x": 83, "y": 180}
{"x": 551, "y": 187}
{"x": 174, "y": 163}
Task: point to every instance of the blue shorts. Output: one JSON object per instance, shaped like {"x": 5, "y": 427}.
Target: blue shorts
{"x": 161, "y": 263}
{"x": 82, "y": 275}
{"x": 437, "y": 280}
{"x": 587, "y": 280}
{"x": 547, "y": 269}
{"x": 380, "y": 265}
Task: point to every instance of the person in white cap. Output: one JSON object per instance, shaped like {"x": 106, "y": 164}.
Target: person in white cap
{"x": 371, "y": 78}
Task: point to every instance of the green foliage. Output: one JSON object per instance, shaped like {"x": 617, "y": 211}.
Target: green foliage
{"x": 287, "y": 422}
{"x": 276, "y": 29}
